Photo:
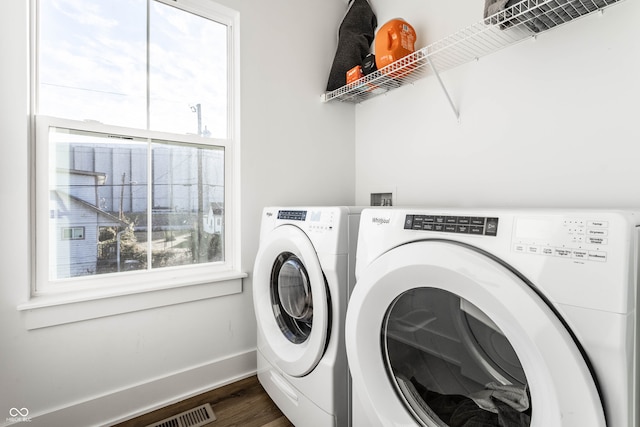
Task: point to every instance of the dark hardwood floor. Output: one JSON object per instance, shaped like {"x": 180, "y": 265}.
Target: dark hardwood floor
{"x": 243, "y": 404}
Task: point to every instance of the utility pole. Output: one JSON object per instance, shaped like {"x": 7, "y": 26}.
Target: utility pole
{"x": 121, "y": 210}
{"x": 201, "y": 253}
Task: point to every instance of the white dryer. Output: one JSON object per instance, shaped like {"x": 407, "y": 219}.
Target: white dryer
{"x": 514, "y": 318}
{"x": 302, "y": 280}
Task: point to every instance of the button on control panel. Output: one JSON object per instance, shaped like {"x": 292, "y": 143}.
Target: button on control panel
{"x": 483, "y": 226}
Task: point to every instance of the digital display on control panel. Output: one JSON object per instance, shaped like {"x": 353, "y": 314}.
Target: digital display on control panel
{"x": 293, "y": 215}
{"x": 477, "y": 225}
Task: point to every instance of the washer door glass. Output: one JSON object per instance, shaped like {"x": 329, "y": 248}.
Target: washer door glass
{"x": 291, "y": 298}
{"x": 450, "y": 364}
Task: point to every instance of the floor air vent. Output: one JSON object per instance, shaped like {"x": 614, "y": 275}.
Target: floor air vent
{"x": 195, "y": 417}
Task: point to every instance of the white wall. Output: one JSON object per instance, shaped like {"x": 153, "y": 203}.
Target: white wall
{"x": 294, "y": 150}
{"x": 549, "y": 122}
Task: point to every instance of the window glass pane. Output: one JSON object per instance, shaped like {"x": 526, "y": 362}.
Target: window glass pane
{"x": 188, "y": 73}
{"x": 97, "y": 203}
{"x": 188, "y": 204}
{"x": 93, "y": 66}
{"x": 92, "y": 60}
{"x": 291, "y": 298}
{"x": 66, "y": 233}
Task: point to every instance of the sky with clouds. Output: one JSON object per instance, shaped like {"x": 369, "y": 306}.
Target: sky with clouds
{"x": 93, "y": 65}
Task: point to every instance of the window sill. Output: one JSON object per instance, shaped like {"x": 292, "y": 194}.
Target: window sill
{"x": 43, "y": 311}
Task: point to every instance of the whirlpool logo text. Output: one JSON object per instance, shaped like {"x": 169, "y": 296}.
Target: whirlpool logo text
{"x": 380, "y": 221}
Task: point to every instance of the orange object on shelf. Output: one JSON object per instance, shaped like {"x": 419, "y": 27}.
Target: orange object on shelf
{"x": 394, "y": 40}
{"x": 354, "y": 74}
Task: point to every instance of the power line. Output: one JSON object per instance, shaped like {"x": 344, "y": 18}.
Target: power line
{"x": 84, "y": 89}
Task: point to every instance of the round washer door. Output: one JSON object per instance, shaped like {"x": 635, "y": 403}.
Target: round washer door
{"x": 432, "y": 324}
{"x": 290, "y": 300}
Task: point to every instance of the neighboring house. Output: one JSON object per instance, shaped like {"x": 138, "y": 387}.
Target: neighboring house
{"x": 75, "y": 236}
{"x": 214, "y": 220}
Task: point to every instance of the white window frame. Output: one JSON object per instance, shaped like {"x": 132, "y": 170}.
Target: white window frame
{"x": 90, "y": 297}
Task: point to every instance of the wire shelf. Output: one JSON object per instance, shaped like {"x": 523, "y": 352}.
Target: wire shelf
{"x": 505, "y": 28}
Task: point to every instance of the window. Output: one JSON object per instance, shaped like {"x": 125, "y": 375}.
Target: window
{"x": 135, "y": 134}
{"x": 73, "y": 233}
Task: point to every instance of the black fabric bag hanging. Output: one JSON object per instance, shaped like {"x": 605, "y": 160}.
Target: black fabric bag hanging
{"x": 355, "y": 36}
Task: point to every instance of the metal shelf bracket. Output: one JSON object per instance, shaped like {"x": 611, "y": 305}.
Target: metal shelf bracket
{"x": 444, "y": 89}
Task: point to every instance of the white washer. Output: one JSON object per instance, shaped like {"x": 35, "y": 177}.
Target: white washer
{"x": 302, "y": 280}
{"x": 535, "y": 308}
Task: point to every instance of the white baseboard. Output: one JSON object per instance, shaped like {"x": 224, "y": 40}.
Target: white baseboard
{"x": 130, "y": 402}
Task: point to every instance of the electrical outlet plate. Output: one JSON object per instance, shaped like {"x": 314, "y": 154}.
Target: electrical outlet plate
{"x": 381, "y": 199}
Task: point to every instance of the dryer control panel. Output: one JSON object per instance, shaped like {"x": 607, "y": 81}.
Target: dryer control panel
{"x": 318, "y": 220}
{"x": 293, "y": 215}
{"x": 477, "y": 225}
{"x": 576, "y": 238}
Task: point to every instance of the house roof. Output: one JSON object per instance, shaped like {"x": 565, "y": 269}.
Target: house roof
{"x": 101, "y": 177}
{"x": 62, "y": 195}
